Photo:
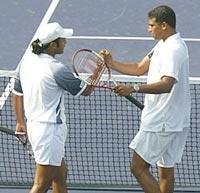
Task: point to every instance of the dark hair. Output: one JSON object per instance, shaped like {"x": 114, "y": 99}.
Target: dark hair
{"x": 164, "y": 13}
{"x": 38, "y": 47}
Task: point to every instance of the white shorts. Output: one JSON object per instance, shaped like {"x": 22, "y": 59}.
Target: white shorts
{"x": 48, "y": 142}
{"x": 163, "y": 148}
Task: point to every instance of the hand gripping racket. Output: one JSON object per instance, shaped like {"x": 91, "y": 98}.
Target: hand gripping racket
{"x": 21, "y": 138}
{"x": 90, "y": 67}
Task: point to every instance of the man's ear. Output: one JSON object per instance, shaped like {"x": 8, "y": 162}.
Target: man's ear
{"x": 164, "y": 25}
{"x": 53, "y": 45}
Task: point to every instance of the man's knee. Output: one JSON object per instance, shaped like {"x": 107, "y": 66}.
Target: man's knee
{"x": 61, "y": 175}
{"x": 41, "y": 186}
{"x": 59, "y": 183}
{"x": 166, "y": 173}
{"x": 138, "y": 166}
{"x": 135, "y": 169}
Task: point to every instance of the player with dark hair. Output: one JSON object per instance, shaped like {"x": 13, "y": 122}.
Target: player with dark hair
{"x": 165, "y": 119}
{"x": 39, "y": 94}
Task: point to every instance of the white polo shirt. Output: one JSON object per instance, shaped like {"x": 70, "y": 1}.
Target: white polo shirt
{"x": 169, "y": 111}
{"x": 42, "y": 82}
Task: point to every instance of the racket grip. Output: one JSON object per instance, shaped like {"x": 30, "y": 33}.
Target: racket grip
{"x": 135, "y": 101}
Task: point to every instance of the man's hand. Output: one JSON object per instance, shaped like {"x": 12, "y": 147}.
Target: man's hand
{"x": 21, "y": 128}
{"x": 123, "y": 90}
{"x": 107, "y": 56}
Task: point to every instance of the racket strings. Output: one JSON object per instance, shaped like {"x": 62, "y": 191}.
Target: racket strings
{"x": 91, "y": 68}
{"x": 96, "y": 76}
{"x": 85, "y": 63}
{"x": 91, "y": 65}
{"x": 79, "y": 61}
{"x": 101, "y": 69}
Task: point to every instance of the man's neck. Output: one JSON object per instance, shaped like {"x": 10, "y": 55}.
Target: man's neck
{"x": 170, "y": 33}
{"x": 49, "y": 52}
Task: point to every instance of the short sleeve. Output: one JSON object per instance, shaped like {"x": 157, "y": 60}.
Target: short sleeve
{"x": 150, "y": 54}
{"x": 171, "y": 61}
{"x": 17, "y": 87}
{"x": 65, "y": 78}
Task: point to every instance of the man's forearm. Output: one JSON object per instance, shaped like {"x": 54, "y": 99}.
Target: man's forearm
{"x": 18, "y": 108}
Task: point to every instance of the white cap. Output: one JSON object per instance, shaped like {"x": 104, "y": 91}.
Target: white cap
{"x": 52, "y": 31}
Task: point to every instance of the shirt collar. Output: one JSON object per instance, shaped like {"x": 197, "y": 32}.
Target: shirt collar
{"x": 44, "y": 55}
{"x": 173, "y": 37}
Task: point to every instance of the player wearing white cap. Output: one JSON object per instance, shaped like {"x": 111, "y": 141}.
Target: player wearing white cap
{"x": 39, "y": 93}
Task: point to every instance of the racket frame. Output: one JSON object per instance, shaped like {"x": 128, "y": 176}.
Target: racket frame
{"x": 80, "y": 75}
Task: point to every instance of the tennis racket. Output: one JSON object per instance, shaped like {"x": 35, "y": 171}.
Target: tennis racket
{"x": 21, "y": 138}
{"x": 90, "y": 68}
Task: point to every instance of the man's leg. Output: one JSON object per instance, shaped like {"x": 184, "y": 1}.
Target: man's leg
{"x": 166, "y": 179}
{"x": 140, "y": 169}
{"x": 44, "y": 176}
{"x": 59, "y": 184}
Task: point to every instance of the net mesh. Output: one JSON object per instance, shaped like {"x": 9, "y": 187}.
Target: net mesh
{"x": 100, "y": 128}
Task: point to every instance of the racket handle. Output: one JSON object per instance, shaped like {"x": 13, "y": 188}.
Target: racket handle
{"x": 135, "y": 101}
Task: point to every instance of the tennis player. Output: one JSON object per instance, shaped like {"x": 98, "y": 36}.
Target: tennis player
{"x": 165, "y": 118}
{"x": 39, "y": 93}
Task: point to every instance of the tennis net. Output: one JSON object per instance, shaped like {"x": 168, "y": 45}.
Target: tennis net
{"x": 100, "y": 128}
